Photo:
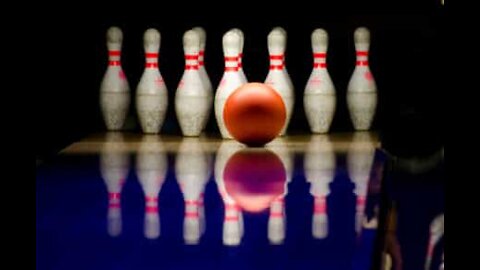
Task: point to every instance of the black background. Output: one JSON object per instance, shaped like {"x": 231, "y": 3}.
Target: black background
{"x": 406, "y": 58}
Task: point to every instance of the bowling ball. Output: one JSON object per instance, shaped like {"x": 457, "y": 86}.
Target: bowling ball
{"x": 254, "y": 178}
{"x": 254, "y": 114}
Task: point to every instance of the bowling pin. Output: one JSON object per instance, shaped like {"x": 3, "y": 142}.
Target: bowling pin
{"x": 192, "y": 99}
{"x": 192, "y": 173}
{"x": 233, "y": 218}
{"x": 240, "y": 55}
{"x": 207, "y": 84}
{"x": 437, "y": 228}
{"x": 276, "y": 221}
{"x": 362, "y": 89}
{"x": 152, "y": 95}
{"x": 319, "y": 99}
{"x": 231, "y": 79}
{"x": 114, "y": 89}
{"x": 151, "y": 169}
{"x": 114, "y": 167}
{"x": 278, "y": 77}
{"x": 319, "y": 166}
{"x": 360, "y": 157}
{"x": 289, "y": 80}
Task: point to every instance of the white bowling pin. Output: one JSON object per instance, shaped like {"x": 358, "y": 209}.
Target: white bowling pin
{"x": 231, "y": 79}
{"x": 360, "y": 157}
{"x": 289, "y": 80}
{"x": 319, "y": 166}
{"x": 114, "y": 167}
{"x": 362, "y": 89}
{"x": 319, "y": 99}
{"x": 151, "y": 169}
{"x": 192, "y": 172}
{"x": 114, "y": 89}
{"x": 207, "y": 84}
{"x": 233, "y": 219}
{"x": 278, "y": 77}
{"x": 192, "y": 99}
{"x": 152, "y": 95}
{"x": 240, "y": 55}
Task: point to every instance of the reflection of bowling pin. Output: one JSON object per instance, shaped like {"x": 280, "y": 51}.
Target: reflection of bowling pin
{"x": 278, "y": 77}
{"x": 362, "y": 89}
{"x": 240, "y": 55}
{"x": 114, "y": 166}
{"x": 192, "y": 173}
{"x": 360, "y": 156}
{"x": 319, "y": 166}
{"x": 151, "y": 170}
{"x": 207, "y": 84}
{"x": 152, "y": 96}
{"x": 192, "y": 99}
{"x": 437, "y": 228}
{"x": 233, "y": 220}
{"x": 231, "y": 79}
{"x": 276, "y": 221}
{"x": 319, "y": 98}
{"x": 114, "y": 89}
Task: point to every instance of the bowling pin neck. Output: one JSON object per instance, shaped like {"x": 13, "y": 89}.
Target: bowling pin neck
{"x": 191, "y": 208}
{"x": 320, "y": 205}
{"x": 191, "y": 61}
{"x": 151, "y": 205}
{"x": 277, "y": 61}
{"x": 319, "y": 60}
{"x": 231, "y": 63}
{"x": 151, "y": 59}
{"x": 114, "y": 57}
{"x": 276, "y": 208}
{"x": 362, "y": 58}
{"x": 231, "y": 212}
{"x": 201, "y": 56}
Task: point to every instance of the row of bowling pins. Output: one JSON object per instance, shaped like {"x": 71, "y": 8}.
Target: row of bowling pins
{"x": 194, "y": 95}
{"x": 193, "y": 171}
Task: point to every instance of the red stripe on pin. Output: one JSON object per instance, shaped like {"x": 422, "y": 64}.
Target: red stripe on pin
{"x": 361, "y": 200}
{"x": 319, "y": 55}
{"x": 151, "y": 55}
{"x": 362, "y": 53}
{"x": 191, "y": 67}
{"x": 114, "y": 63}
{"x": 191, "y": 56}
{"x": 202, "y": 53}
{"x": 151, "y": 65}
{"x": 362, "y": 63}
{"x": 231, "y": 68}
{"x": 240, "y": 55}
{"x": 114, "y": 53}
{"x": 276, "y": 214}
{"x": 319, "y": 65}
{"x": 273, "y": 67}
{"x": 151, "y": 199}
{"x": 231, "y": 58}
{"x": 191, "y": 202}
{"x": 151, "y": 209}
{"x": 114, "y": 195}
{"x": 231, "y": 218}
{"x": 276, "y": 57}
{"x": 201, "y": 63}
{"x": 191, "y": 214}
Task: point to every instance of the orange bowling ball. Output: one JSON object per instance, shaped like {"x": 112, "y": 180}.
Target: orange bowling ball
{"x": 254, "y": 114}
{"x": 254, "y": 179}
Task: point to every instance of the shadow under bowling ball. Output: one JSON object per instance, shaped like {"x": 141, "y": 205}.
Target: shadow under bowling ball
{"x": 254, "y": 114}
{"x": 254, "y": 178}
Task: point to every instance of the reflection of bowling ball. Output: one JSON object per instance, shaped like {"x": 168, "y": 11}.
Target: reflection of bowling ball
{"x": 254, "y": 178}
{"x": 254, "y": 114}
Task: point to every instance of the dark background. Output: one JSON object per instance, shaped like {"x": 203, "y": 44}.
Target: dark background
{"x": 406, "y": 57}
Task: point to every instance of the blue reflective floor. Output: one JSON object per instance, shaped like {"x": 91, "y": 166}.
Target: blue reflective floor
{"x": 190, "y": 203}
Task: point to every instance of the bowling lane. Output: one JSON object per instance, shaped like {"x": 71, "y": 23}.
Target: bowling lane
{"x": 131, "y": 201}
